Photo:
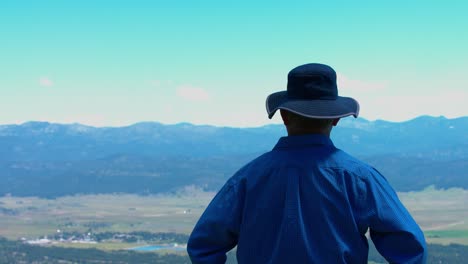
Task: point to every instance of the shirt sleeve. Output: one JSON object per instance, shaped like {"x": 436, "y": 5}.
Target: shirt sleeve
{"x": 394, "y": 232}
{"x": 216, "y": 232}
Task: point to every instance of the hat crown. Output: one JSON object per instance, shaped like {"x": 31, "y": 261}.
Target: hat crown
{"x": 312, "y": 81}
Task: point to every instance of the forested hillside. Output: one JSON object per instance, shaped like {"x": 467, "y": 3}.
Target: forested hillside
{"x": 18, "y": 252}
{"x": 50, "y": 160}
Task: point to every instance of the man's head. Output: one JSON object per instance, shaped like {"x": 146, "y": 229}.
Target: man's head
{"x": 311, "y": 97}
{"x": 299, "y": 125}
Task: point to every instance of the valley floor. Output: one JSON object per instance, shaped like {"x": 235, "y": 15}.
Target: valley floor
{"x": 442, "y": 214}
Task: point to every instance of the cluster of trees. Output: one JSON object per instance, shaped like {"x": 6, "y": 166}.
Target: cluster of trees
{"x": 453, "y": 253}
{"x": 18, "y": 252}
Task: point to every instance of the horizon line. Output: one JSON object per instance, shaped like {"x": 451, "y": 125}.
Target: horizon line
{"x": 211, "y": 125}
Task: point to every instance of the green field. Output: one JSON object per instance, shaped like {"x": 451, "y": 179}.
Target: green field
{"x": 32, "y": 217}
{"x": 443, "y": 214}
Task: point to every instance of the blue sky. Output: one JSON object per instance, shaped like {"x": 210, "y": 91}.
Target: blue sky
{"x": 114, "y": 63}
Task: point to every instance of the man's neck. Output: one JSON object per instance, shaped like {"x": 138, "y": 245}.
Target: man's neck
{"x": 298, "y": 133}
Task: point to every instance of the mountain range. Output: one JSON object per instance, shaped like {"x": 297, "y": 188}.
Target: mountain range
{"x": 50, "y": 160}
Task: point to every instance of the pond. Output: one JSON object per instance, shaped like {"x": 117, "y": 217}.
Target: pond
{"x": 159, "y": 247}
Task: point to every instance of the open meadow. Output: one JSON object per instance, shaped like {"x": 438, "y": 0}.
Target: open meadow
{"x": 32, "y": 217}
{"x": 443, "y": 215}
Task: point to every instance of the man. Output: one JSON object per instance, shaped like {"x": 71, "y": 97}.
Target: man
{"x": 307, "y": 201}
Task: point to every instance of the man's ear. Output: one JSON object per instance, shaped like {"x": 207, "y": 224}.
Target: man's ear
{"x": 285, "y": 116}
{"x": 335, "y": 121}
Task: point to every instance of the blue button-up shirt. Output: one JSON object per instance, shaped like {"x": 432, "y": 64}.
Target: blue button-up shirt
{"x": 306, "y": 202}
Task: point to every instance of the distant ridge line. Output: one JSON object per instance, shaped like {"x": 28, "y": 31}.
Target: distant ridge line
{"x": 359, "y": 119}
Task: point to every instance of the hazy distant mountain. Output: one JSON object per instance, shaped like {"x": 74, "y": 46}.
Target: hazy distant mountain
{"x": 44, "y": 159}
{"x": 35, "y": 141}
{"x": 424, "y": 137}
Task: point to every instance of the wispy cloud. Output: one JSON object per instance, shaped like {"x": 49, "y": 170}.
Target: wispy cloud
{"x": 45, "y": 82}
{"x": 192, "y": 93}
{"x": 155, "y": 83}
{"x": 354, "y": 85}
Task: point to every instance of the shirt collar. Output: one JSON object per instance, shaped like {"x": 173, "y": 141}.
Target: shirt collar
{"x": 303, "y": 140}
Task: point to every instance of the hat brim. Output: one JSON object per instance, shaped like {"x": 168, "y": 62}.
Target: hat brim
{"x": 319, "y": 109}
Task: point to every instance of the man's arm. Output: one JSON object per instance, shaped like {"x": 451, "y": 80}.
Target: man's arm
{"x": 392, "y": 229}
{"x": 217, "y": 229}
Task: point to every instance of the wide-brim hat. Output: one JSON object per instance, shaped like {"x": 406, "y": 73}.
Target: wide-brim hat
{"x": 312, "y": 92}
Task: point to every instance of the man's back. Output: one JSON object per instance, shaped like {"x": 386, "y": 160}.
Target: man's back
{"x": 306, "y": 202}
